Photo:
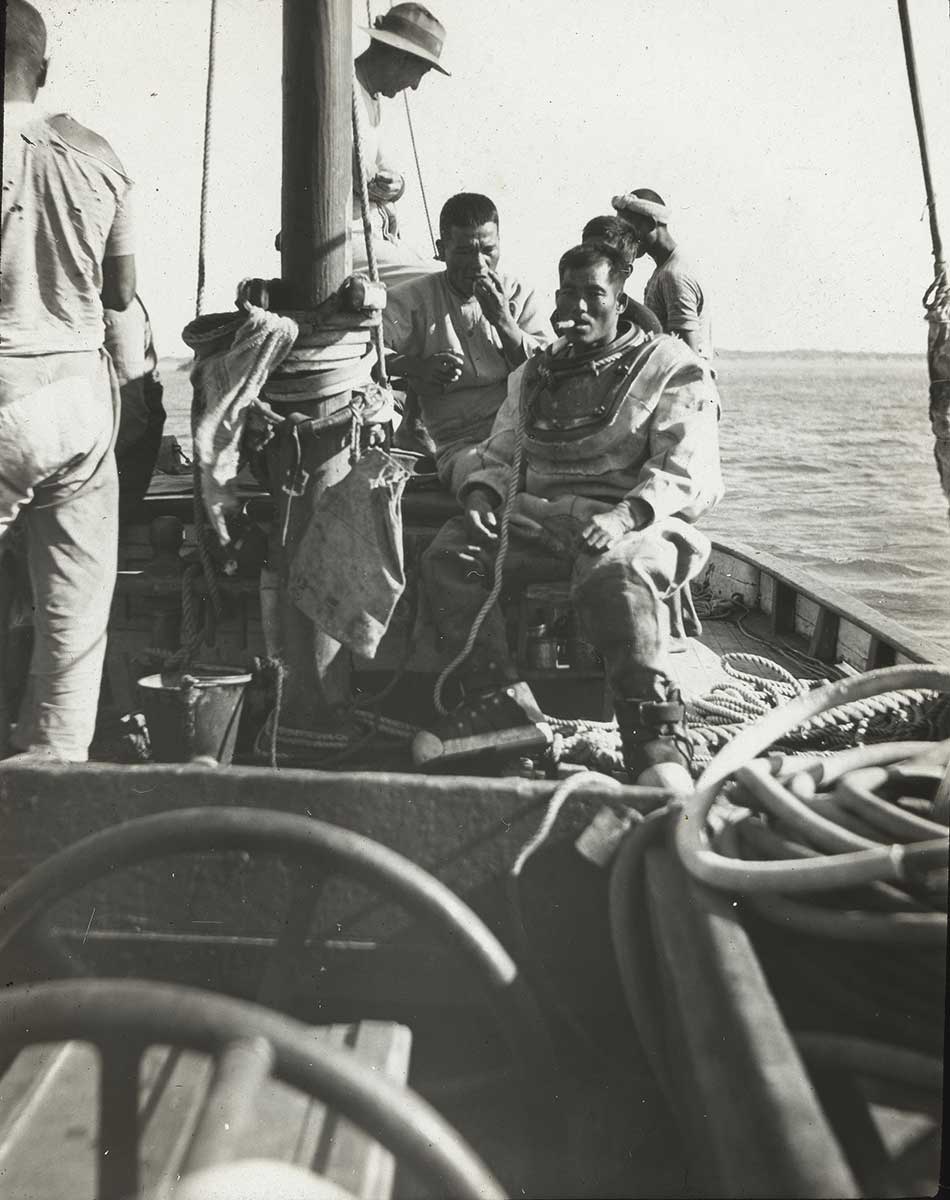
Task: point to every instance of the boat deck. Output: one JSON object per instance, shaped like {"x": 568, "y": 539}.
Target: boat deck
{"x": 411, "y": 652}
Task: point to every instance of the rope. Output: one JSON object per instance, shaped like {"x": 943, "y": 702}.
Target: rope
{"x": 422, "y": 186}
{"x": 367, "y": 226}
{"x": 491, "y": 599}
{"x": 910, "y": 61}
{"x": 361, "y": 178}
{"x": 206, "y": 158}
{"x": 306, "y": 746}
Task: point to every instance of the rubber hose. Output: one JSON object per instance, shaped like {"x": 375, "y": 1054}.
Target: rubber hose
{"x": 796, "y": 816}
{"x": 855, "y": 792}
{"x": 843, "y": 870}
{"x": 303, "y": 839}
{"x": 826, "y": 768}
{"x": 765, "y": 843}
{"x": 828, "y": 806}
{"x": 902, "y": 928}
{"x": 876, "y": 1059}
{"x": 634, "y": 963}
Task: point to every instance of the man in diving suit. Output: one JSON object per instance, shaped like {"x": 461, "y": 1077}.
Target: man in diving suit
{"x": 619, "y": 457}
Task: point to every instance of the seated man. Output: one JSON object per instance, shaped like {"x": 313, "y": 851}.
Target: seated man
{"x": 459, "y": 333}
{"x": 617, "y": 233}
{"x": 619, "y": 456}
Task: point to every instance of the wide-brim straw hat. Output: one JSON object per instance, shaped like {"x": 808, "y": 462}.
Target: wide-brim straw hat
{"x": 412, "y": 28}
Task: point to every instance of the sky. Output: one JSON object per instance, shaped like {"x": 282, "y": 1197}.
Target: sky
{"x": 781, "y": 134}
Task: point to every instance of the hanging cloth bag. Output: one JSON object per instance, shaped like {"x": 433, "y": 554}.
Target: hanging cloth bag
{"x": 348, "y": 571}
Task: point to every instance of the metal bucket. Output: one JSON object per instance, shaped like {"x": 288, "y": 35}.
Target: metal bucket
{"x": 193, "y": 716}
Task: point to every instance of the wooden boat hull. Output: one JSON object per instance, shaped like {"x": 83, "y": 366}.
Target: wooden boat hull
{"x": 210, "y": 920}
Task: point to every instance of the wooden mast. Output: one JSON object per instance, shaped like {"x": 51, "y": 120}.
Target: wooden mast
{"x": 316, "y": 187}
{"x": 316, "y": 211}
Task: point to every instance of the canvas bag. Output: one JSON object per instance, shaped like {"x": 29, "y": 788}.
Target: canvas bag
{"x": 348, "y": 570}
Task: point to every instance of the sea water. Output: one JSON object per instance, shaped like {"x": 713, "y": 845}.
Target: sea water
{"x": 829, "y": 465}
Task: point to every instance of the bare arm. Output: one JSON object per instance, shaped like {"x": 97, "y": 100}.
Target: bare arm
{"x": 118, "y": 281}
{"x": 692, "y": 339}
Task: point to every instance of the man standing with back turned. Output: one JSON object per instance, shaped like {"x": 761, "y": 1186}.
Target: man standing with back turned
{"x": 673, "y": 291}
{"x": 67, "y": 250}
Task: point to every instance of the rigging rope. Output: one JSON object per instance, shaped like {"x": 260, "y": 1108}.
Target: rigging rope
{"x": 367, "y": 226}
{"x": 937, "y": 299}
{"x": 206, "y": 158}
{"x": 412, "y": 139}
{"x": 910, "y": 60}
{"x": 422, "y": 186}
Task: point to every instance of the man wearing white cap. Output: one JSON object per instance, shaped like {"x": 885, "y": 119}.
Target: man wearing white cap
{"x": 673, "y": 291}
{"x": 405, "y": 44}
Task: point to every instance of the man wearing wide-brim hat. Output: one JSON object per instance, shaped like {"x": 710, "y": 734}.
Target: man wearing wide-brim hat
{"x": 405, "y": 44}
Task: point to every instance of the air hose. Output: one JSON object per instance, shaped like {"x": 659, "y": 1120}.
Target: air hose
{"x": 853, "y": 860}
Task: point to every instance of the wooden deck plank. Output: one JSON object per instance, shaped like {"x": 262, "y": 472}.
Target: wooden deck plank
{"x": 287, "y": 1124}
{"x": 174, "y": 1113}
{"x": 49, "y": 1115}
{"x": 355, "y": 1161}
{"x": 50, "y": 1153}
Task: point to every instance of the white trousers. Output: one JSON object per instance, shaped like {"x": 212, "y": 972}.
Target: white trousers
{"x": 58, "y": 415}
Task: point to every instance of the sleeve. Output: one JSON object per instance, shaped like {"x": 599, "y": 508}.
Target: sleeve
{"x": 683, "y": 298}
{"x": 121, "y": 239}
{"x": 682, "y": 477}
{"x": 528, "y": 312}
{"x": 403, "y": 319}
{"x": 489, "y": 463}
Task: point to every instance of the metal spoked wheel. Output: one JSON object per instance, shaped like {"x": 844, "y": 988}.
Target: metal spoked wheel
{"x": 315, "y": 845}
{"x": 249, "y": 1045}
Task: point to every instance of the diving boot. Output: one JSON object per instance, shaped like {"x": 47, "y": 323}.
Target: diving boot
{"x": 505, "y": 720}
{"x": 657, "y": 751}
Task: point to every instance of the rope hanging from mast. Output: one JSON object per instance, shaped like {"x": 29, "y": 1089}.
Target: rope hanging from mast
{"x": 936, "y": 299}
{"x": 422, "y": 186}
{"x": 213, "y": 607}
{"x": 367, "y": 226}
{"x": 206, "y": 158}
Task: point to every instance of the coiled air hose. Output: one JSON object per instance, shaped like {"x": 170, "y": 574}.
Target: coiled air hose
{"x": 853, "y": 860}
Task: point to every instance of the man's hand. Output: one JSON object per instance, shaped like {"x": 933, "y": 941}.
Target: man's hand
{"x": 603, "y": 530}
{"x": 480, "y": 515}
{"x": 491, "y": 296}
{"x": 386, "y": 186}
{"x": 439, "y": 370}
